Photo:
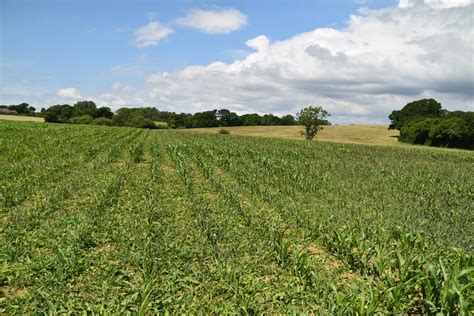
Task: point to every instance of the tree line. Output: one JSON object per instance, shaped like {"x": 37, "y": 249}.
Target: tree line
{"x": 425, "y": 122}
{"x": 87, "y": 112}
{"x": 22, "y": 108}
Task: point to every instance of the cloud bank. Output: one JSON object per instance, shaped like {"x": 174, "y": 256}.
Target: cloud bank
{"x": 382, "y": 60}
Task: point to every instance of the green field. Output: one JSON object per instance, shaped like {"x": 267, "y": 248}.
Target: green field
{"x": 116, "y": 220}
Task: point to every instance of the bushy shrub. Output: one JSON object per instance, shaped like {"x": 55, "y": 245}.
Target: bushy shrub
{"x": 417, "y": 131}
{"x": 161, "y": 125}
{"x": 141, "y": 122}
{"x": 452, "y": 132}
{"x": 83, "y": 119}
{"x": 223, "y": 131}
{"x": 455, "y": 132}
{"x": 51, "y": 117}
{"x": 102, "y": 121}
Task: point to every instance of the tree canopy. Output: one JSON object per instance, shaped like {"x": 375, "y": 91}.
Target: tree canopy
{"x": 22, "y": 108}
{"x": 426, "y": 122}
{"x": 419, "y": 108}
{"x": 312, "y": 118}
{"x": 65, "y": 113}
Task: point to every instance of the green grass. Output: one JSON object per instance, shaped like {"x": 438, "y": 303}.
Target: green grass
{"x": 21, "y": 118}
{"x": 116, "y": 220}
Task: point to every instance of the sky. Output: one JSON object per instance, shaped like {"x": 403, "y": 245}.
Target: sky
{"x": 359, "y": 59}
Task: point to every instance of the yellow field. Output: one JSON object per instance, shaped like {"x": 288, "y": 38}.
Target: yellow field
{"x": 359, "y": 134}
{"x": 21, "y": 118}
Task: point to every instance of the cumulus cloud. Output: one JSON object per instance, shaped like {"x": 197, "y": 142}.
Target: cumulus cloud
{"x": 214, "y": 21}
{"x": 69, "y": 94}
{"x": 434, "y": 3}
{"x": 151, "y": 34}
{"x": 380, "y": 61}
{"x": 383, "y": 59}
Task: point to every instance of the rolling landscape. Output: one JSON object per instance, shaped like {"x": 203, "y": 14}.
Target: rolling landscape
{"x": 122, "y": 219}
{"x": 189, "y": 164}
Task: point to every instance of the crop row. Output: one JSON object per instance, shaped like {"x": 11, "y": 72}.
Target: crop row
{"x": 111, "y": 220}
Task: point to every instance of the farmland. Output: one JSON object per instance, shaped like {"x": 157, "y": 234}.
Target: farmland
{"x": 21, "y": 118}
{"x": 354, "y": 134}
{"x": 110, "y": 220}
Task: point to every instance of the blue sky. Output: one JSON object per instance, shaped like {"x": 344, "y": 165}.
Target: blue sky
{"x": 61, "y": 51}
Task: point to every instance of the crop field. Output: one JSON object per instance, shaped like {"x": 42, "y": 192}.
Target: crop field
{"x": 116, "y": 220}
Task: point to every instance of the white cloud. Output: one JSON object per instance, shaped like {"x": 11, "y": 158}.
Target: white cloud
{"x": 151, "y": 34}
{"x": 434, "y": 3}
{"x": 117, "y": 85}
{"x": 69, "y": 94}
{"x": 214, "y": 21}
{"x": 380, "y": 61}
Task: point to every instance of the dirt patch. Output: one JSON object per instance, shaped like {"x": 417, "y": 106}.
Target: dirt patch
{"x": 12, "y": 293}
{"x": 330, "y": 262}
{"x": 347, "y": 277}
{"x": 142, "y": 164}
{"x": 334, "y": 264}
{"x": 107, "y": 248}
{"x": 316, "y": 250}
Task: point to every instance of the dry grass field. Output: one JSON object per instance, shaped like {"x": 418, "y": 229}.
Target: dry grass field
{"x": 21, "y": 118}
{"x": 357, "y": 134}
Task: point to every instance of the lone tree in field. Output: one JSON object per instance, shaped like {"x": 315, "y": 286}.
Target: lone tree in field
{"x": 312, "y": 118}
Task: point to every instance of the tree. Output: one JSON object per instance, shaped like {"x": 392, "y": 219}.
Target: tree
{"x": 455, "y": 129}
{"x": 50, "y": 117}
{"x": 312, "y": 118}
{"x": 417, "y": 131}
{"x": 23, "y": 108}
{"x": 84, "y": 108}
{"x": 270, "y": 119}
{"x": 179, "y": 120}
{"x": 287, "y": 120}
{"x": 205, "y": 119}
{"x": 123, "y": 117}
{"x": 104, "y": 112}
{"x": 58, "y": 113}
{"x": 452, "y": 132}
{"x": 227, "y": 118}
{"x": 419, "y": 108}
{"x": 251, "y": 119}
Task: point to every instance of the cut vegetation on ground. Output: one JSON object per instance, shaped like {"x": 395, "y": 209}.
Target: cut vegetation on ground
{"x": 21, "y": 118}
{"x": 358, "y": 134}
{"x": 115, "y": 220}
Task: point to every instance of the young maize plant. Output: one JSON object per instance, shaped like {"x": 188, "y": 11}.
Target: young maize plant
{"x": 110, "y": 220}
